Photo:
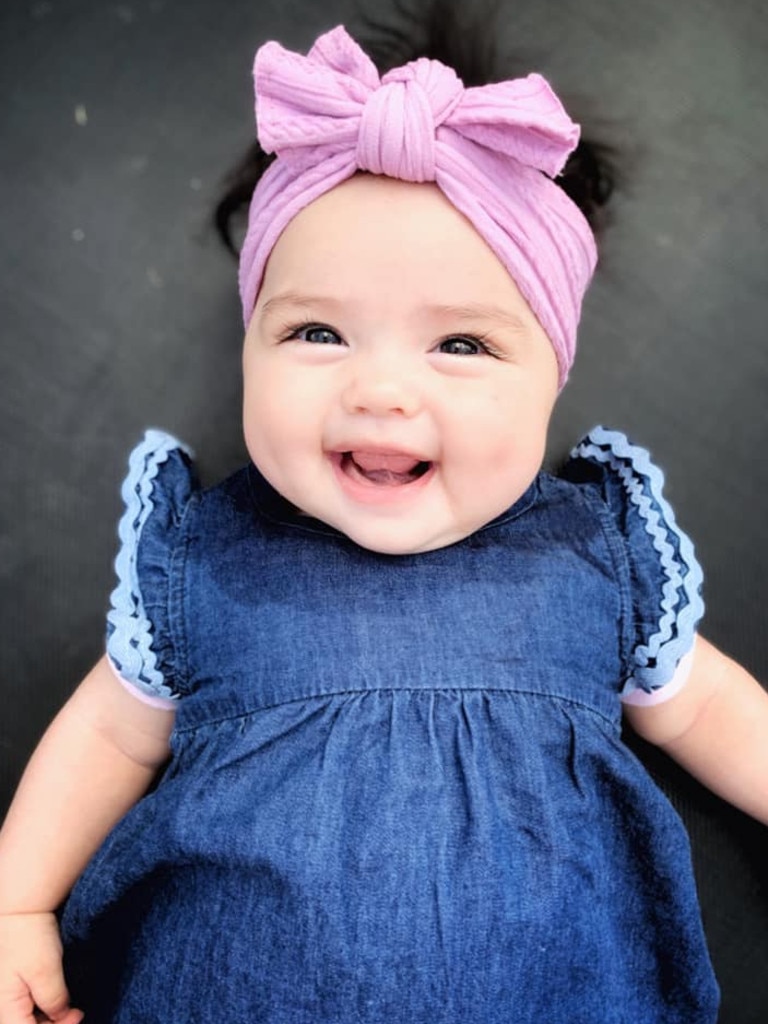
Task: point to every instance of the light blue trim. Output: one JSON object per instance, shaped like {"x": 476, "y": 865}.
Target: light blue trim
{"x": 129, "y": 643}
{"x": 643, "y": 483}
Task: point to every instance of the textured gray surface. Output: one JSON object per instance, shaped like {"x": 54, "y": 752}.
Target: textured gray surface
{"x": 119, "y": 311}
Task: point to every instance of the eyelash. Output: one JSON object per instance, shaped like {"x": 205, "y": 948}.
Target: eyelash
{"x": 293, "y": 333}
{"x": 482, "y": 343}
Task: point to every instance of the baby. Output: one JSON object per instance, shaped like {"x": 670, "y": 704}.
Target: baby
{"x": 384, "y": 665}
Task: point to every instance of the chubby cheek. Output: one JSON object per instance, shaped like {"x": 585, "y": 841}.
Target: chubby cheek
{"x": 264, "y": 422}
{"x": 505, "y": 444}
{"x": 279, "y": 423}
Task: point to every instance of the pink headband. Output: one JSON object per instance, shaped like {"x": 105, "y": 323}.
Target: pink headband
{"x": 329, "y": 115}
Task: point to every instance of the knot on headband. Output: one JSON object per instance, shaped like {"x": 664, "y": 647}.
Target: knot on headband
{"x": 400, "y": 119}
{"x": 490, "y": 149}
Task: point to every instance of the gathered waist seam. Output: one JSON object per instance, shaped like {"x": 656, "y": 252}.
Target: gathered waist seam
{"x": 413, "y": 690}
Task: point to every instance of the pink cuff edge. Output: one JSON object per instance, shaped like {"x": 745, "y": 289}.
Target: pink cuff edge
{"x": 640, "y": 698}
{"x": 166, "y": 703}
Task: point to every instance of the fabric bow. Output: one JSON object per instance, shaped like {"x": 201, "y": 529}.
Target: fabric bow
{"x": 334, "y": 98}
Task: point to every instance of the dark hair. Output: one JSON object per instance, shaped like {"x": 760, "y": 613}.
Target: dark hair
{"x": 463, "y": 38}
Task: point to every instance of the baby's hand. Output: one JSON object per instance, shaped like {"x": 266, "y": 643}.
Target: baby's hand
{"x": 31, "y": 974}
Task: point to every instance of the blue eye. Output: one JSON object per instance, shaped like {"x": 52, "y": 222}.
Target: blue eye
{"x": 461, "y": 345}
{"x": 316, "y": 334}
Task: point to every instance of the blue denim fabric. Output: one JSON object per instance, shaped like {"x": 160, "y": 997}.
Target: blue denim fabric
{"x": 398, "y": 791}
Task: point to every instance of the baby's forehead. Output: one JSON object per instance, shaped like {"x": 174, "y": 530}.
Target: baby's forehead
{"x": 369, "y": 214}
{"x": 392, "y": 242}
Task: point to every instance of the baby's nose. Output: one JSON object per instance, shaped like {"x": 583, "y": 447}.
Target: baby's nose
{"x": 382, "y": 388}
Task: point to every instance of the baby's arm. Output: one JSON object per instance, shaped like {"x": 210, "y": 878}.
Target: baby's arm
{"x": 716, "y": 727}
{"x": 97, "y": 758}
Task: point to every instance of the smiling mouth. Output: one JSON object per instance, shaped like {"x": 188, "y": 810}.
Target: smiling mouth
{"x": 383, "y": 469}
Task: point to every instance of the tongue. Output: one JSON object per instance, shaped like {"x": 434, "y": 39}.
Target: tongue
{"x": 385, "y": 468}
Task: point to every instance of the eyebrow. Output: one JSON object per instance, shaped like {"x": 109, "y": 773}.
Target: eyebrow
{"x": 289, "y": 299}
{"x": 480, "y": 311}
{"x": 464, "y": 311}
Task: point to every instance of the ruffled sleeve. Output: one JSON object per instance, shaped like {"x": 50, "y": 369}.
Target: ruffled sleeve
{"x": 140, "y": 635}
{"x": 661, "y": 576}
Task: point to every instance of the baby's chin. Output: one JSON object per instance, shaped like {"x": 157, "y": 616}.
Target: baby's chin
{"x": 398, "y": 539}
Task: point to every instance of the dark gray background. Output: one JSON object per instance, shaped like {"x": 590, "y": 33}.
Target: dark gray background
{"x": 119, "y": 311}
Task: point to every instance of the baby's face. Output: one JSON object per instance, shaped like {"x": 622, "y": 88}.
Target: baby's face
{"x": 397, "y": 386}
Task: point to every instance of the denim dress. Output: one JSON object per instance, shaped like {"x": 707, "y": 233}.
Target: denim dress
{"x": 398, "y": 792}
